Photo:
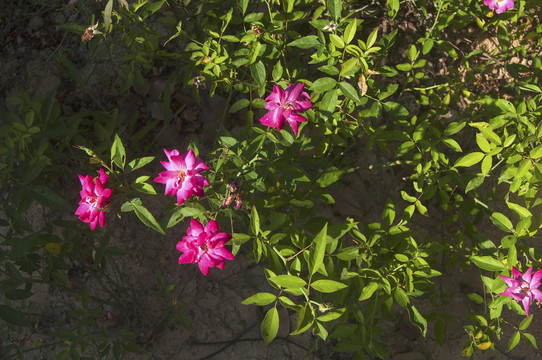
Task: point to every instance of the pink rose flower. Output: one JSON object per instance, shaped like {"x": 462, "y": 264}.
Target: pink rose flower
{"x": 523, "y": 287}
{"x": 499, "y": 6}
{"x": 183, "y": 177}
{"x": 94, "y": 198}
{"x": 204, "y": 246}
{"x": 285, "y": 106}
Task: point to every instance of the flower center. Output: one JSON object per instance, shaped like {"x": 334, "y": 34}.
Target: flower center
{"x": 287, "y": 106}
{"x": 92, "y": 201}
{"x": 180, "y": 177}
{"x": 525, "y": 288}
{"x": 203, "y": 247}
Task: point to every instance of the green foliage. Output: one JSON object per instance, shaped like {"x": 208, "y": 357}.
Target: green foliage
{"x": 455, "y": 129}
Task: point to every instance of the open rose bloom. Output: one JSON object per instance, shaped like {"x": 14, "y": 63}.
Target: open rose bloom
{"x": 523, "y": 287}
{"x": 285, "y": 106}
{"x": 94, "y": 198}
{"x": 204, "y": 246}
{"x": 183, "y": 177}
{"x": 499, "y": 6}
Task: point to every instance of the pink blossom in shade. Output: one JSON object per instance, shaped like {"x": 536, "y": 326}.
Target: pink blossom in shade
{"x": 523, "y": 287}
{"x": 183, "y": 177}
{"x": 285, "y": 106}
{"x": 499, "y": 6}
{"x": 94, "y": 198}
{"x": 204, "y": 246}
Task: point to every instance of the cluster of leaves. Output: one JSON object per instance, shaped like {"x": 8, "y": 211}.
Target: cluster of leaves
{"x": 460, "y": 124}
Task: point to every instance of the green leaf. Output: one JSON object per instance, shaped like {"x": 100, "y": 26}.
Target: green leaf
{"x": 50, "y": 198}
{"x": 407, "y": 197}
{"x": 417, "y": 319}
{"x": 519, "y": 210}
{"x": 254, "y": 221}
{"x": 323, "y": 84}
{"x": 393, "y": 8}
{"x": 388, "y": 214}
{"x": 13, "y": 316}
{"x": 329, "y": 177}
{"x": 523, "y": 168}
{"x": 240, "y": 238}
{"x": 258, "y": 73}
{"x": 531, "y": 87}
{"x": 328, "y": 286}
{"x": 536, "y": 153}
{"x": 395, "y": 110}
{"x": 306, "y": 42}
{"x": 329, "y": 102}
{"x": 404, "y": 67}
{"x": 368, "y": 291}
{"x": 452, "y": 144}
{"x": 421, "y": 208}
{"x": 401, "y": 297}
{"x": 488, "y": 263}
{"x": 524, "y": 324}
{"x": 453, "y": 128}
{"x": 476, "y": 298}
{"x": 502, "y": 35}
{"x": 486, "y": 164}
{"x": 270, "y": 325}
{"x": 372, "y": 38}
{"x": 151, "y": 8}
{"x": 277, "y": 71}
{"x": 118, "y": 154}
{"x": 514, "y": 340}
{"x": 334, "y": 7}
{"x": 73, "y": 28}
{"x": 305, "y": 318}
{"x": 447, "y": 47}
{"x": 261, "y": 299}
{"x": 506, "y": 106}
{"x": 288, "y": 281}
{"x": 32, "y": 172}
{"x": 146, "y": 217}
{"x": 490, "y": 135}
{"x": 343, "y": 330}
{"x": 242, "y": 4}
{"x": 348, "y": 90}
{"x": 178, "y": 27}
{"x": 347, "y": 66}
{"x": 427, "y": 46}
{"x": 139, "y": 162}
{"x": 254, "y": 52}
{"x": 470, "y": 159}
{"x": 483, "y": 144}
{"x": 332, "y": 314}
{"x": 318, "y": 250}
{"x": 502, "y": 222}
{"x": 288, "y": 5}
{"x": 238, "y": 105}
{"x": 350, "y": 31}
{"x": 107, "y": 14}
{"x": 336, "y": 40}
{"x": 178, "y": 215}
{"x": 529, "y": 340}
{"x": 141, "y": 185}
{"x": 329, "y": 70}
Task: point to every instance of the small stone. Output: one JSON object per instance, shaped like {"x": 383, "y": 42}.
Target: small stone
{"x": 59, "y": 19}
{"x": 35, "y": 23}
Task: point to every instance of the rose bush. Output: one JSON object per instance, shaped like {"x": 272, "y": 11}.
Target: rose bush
{"x": 446, "y": 148}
